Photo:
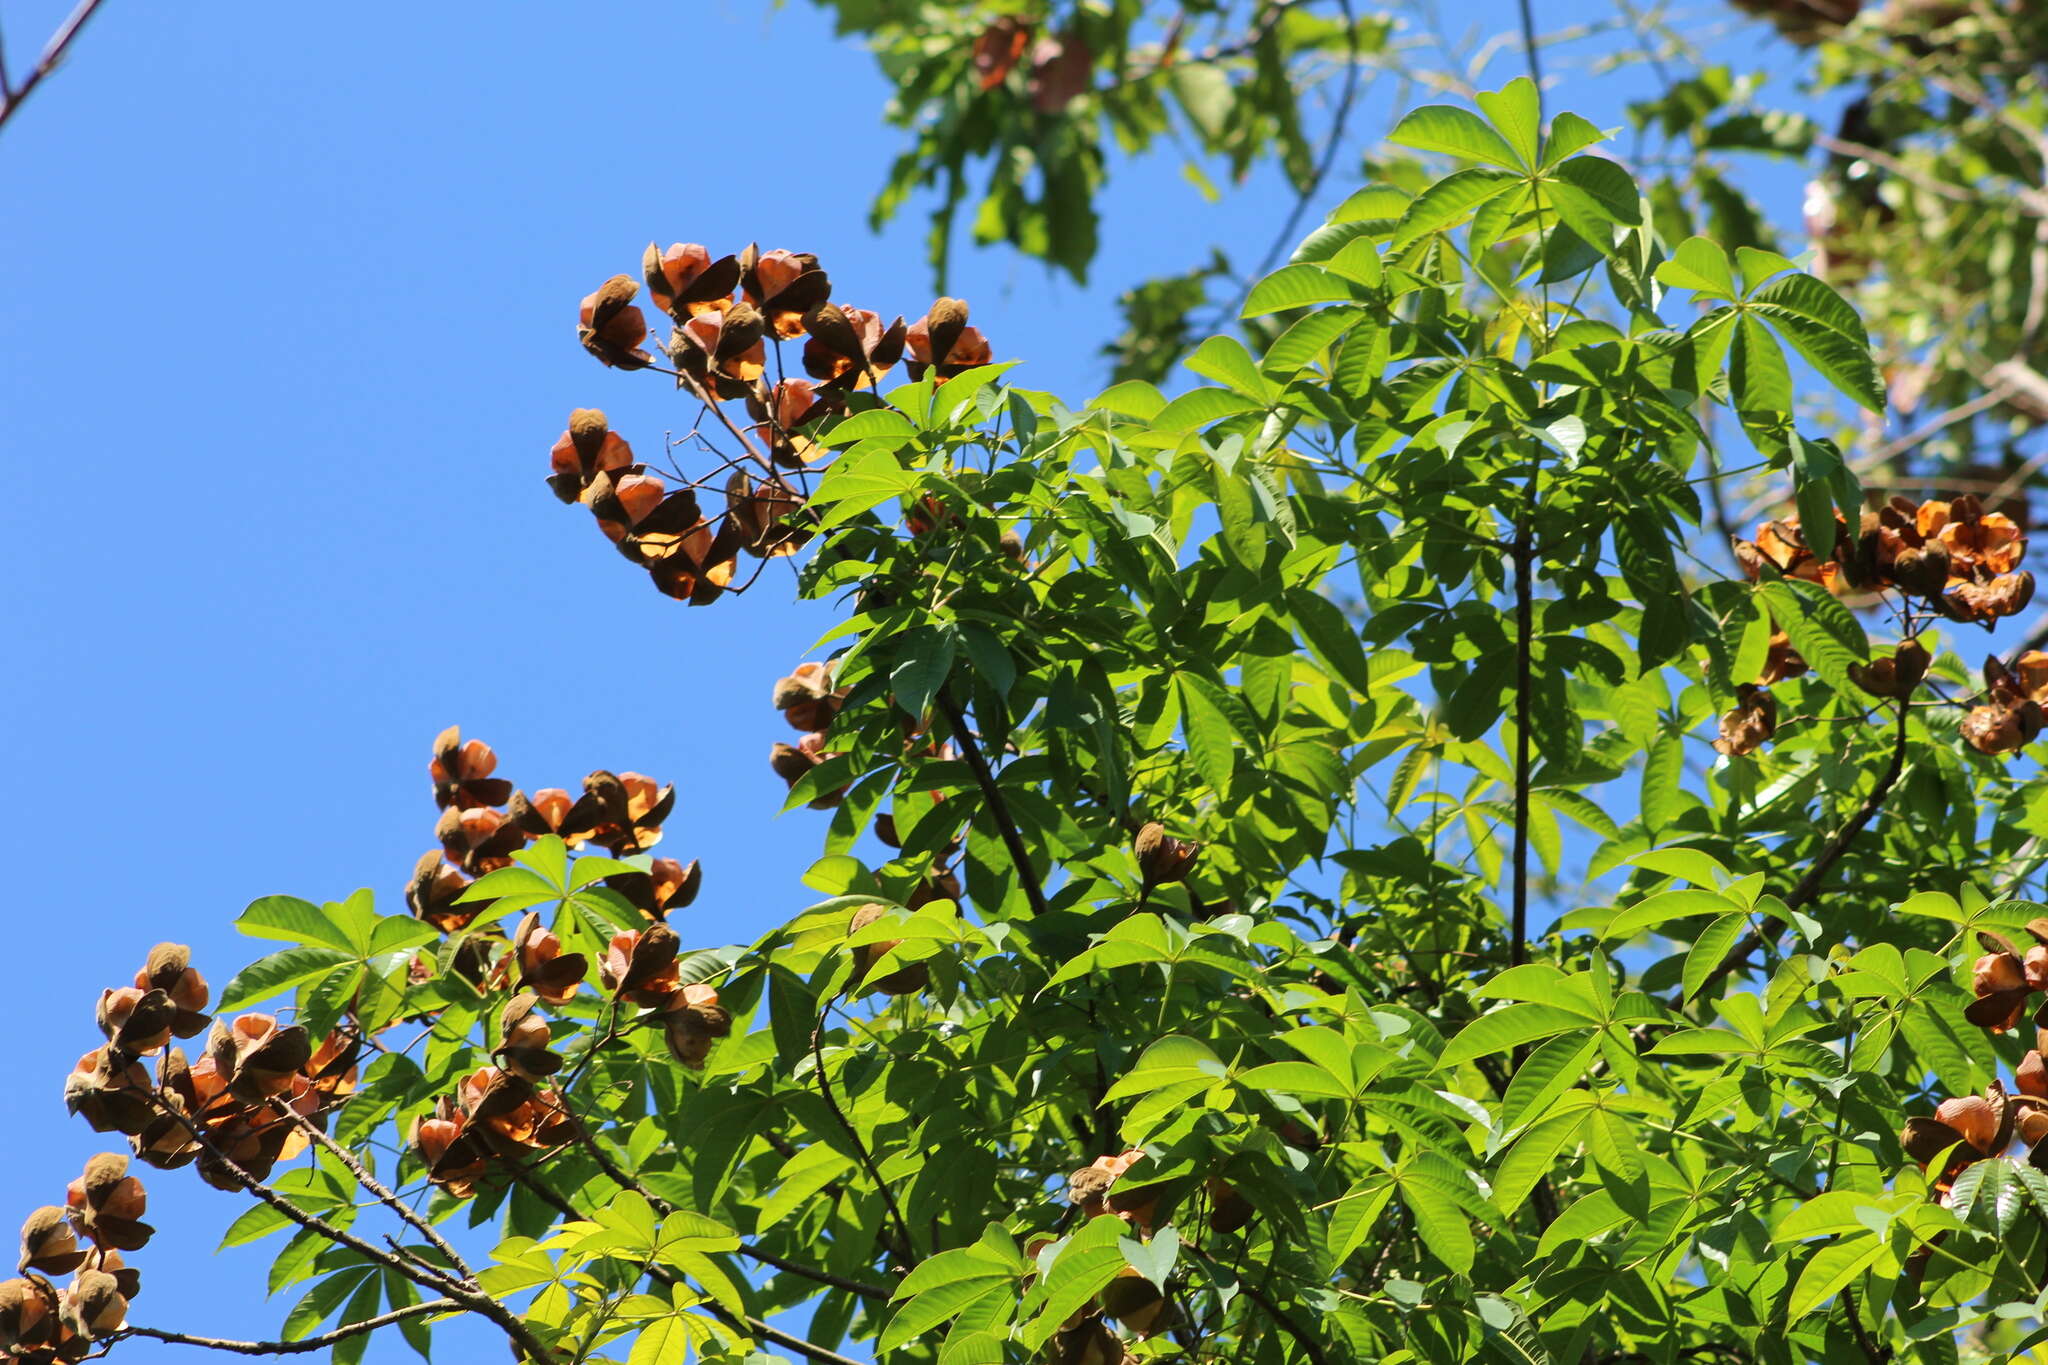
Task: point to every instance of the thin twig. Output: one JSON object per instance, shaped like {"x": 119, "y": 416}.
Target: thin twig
{"x": 379, "y": 1191}
{"x": 467, "y": 1296}
{"x": 1809, "y": 885}
{"x": 999, "y": 809}
{"x": 11, "y": 95}
{"x": 301, "y": 1346}
{"x": 625, "y": 1180}
{"x": 1339, "y": 121}
{"x": 1312, "y": 1348}
{"x": 1872, "y": 1352}
{"x": 860, "y": 1148}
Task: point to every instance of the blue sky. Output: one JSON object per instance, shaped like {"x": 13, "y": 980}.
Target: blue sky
{"x": 285, "y": 335}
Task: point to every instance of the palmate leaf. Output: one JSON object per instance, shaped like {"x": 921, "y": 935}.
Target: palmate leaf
{"x": 1451, "y": 201}
{"x": 1081, "y": 1266}
{"x": 1832, "y": 1269}
{"x": 1842, "y": 360}
{"x": 1824, "y": 631}
{"x": 1455, "y": 132}
{"x": 1507, "y": 1028}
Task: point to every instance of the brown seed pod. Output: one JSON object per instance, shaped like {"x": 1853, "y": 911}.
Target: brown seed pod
{"x": 27, "y": 1314}
{"x": 1087, "y": 1187}
{"x": 1753, "y": 721}
{"x": 1135, "y": 1302}
{"x": 1088, "y": 1342}
{"x": 1896, "y": 675}
{"x": 97, "y": 1299}
{"x": 49, "y": 1242}
{"x": 1229, "y": 1211}
{"x": 694, "y": 1024}
{"x": 906, "y": 980}
{"x": 1922, "y": 570}
{"x": 1163, "y": 859}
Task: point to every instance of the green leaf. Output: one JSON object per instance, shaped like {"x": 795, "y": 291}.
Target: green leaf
{"x": 1701, "y": 266}
{"x": 1516, "y": 110}
{"x": 1132, "y": 398}
{"x": 1331, "y": 638}
{"x": 1153, "y": 1259}
{"x": 1507, "y": 1028}
{"x": 1757, "y": 374}
{"x": 1568, "y": 134}
{"x": 1451, "y": 201}
{"x": 1843, "y": 361}
{"x": 1207, "y": 732}
{"x": 876, "y": 424}
{"x": 1756, "y": 266}
{"x": 1199, "y": 407}
{"x": 1296, "y": 286}
{"x": 916, "y": 680}
{"x": 1662, "y": 908}
{"x": 1833, "y": 1268}
{"x": 1298, "y": 347}
{"x": 1169, "y": 1061}
{"x": 1441, "y": 1223}
{"x": 280, "y": 971}
{"x": 1709, "y": 948}
{"x": 1663, "y": 797}
{"x": 1824, "y": 631}
{"x": 295, "y": 921}
{"x": 664, "y": 1341}
{"x": 1836, "y": 1211}
{"x": 1352, "y": 1217}
{"x": 861, "y": 480}
{"x": 1225, "y": 360}
{"x": 1454, "y": 132}
{"x": 1810, "y": 298}
{"x": 1294, "y": 1078}
{"x": 1089, "y": 1260}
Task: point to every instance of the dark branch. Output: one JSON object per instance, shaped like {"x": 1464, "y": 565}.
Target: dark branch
{"x": 860, "y": 1148}
{"x": 999, "y": 810}
{"x": 12, "y": 95}
{"x": 303, "y": 1345}
{"x": 1816, "y": 873}
{"x": 625, "y": 1180}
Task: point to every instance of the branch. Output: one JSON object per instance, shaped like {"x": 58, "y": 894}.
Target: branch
{"x": 1809, "y": 885}
{"x": 291, "y": 1348}
{"x": 867, "y": 1160}
{"x": 625, "y": 1180}
{"x": 999, "y": 809}
{"x": 466, "y": 1295}
{"x": 751, "y": 1324}
{"x": 1525, "y": 689}
{"x": 11, "y": 95}
{"x": 1338, "y": 122}
{"x": 378, "y": 1190}
{"x": 1872, "y": 1352}
{"x": 1312, "y": 1348}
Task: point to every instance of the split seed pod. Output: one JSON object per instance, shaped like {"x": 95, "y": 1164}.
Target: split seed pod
{"x": 906, "y": 980}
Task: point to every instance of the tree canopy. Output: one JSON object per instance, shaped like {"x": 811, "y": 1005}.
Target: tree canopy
{"x": 1324, "y": 859}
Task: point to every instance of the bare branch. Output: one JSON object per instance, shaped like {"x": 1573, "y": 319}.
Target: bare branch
{"x": 377, "y": 1190}
{"x": 466, "y": 1295}
{"x": 12, "y": 95}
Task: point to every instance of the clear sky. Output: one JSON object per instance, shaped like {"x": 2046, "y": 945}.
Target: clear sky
{"x": 286, "y": 331}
